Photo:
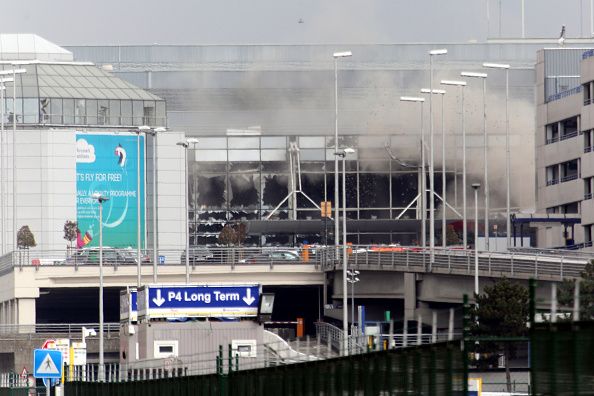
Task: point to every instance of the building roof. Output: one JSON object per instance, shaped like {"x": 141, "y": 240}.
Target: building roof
{"x": 29, "y": 47}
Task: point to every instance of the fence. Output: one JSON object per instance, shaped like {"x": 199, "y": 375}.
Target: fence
{"x": 435, "y": 369}
{"x": 69, "y": 330}
{"x": 562, "y": 358}
{"x": 516, "y": 264}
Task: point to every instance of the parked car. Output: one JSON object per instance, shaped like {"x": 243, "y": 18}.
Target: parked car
{"x": 197, "y": 255}
{"x": 111, "y": 256}
{"x": 276, "y": 256}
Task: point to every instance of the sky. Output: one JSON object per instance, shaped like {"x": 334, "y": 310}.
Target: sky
{"x": 69, "y": 22}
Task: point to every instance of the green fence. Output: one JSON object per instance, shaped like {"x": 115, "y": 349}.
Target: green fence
{"x": 562, "y": 359}
{"x": 425, "y": 370}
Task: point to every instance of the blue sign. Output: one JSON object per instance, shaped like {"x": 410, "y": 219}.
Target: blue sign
{"x": 107, "y": 163}
{"x": 199, "y": 301}
{"x": 47, "y": 363}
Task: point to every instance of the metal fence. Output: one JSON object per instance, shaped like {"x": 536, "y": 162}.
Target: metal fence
{"x": 67, "y": 329}
{"x": 432, "y": 370}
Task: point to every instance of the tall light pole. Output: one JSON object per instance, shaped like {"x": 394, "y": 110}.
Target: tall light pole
{"x": 153, "y": 132}
{"x": 523, "y": 20}
{"x": 423, "y": 192}
{"x": 14, "y": 120}
{"x": 186, "y": 144}
{"x": 507, "y": 150}
{"x": 101, "y": 199}
{"x": 336, "y": 55}
{"x": 432, "y": 53}
{"x": 352, "y": 279}
{"x": 462, "y": 85}
{"x": 442, "y": 93}
{"x": 3, "y": 186}
{"x": 483, "y": 77}
{"x": 345, "y": 319}
{"x": 476, "y": 186}
{"x": 140, "y": 130}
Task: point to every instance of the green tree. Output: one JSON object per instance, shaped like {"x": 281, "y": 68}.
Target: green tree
{"x": 25, "y": 238}
{"x": 567, "y": 289}
{"x": 502, "y": 310}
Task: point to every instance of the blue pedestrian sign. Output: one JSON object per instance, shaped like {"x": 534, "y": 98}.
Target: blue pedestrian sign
{"x": 199, "y": 301}
{"x": 47, "y": 363}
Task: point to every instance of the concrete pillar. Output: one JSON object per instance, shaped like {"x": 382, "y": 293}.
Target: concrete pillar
{"x": 25, "y": 312}
{"x": 410, "y": 295}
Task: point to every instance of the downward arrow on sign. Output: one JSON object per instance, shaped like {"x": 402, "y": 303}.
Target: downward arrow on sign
{"x": 159, "y": 300}
{"x": 248, "y": 297}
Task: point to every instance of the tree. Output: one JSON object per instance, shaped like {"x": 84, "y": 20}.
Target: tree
{"x": 501, "y": 311}
{"x": 227, "y": 236}
{"x": 240, "y": 233}
{"x": 452, "y": 237}
{"x": 70, "y": 228}
{"x": 566, "y": 293}
{"x": 25, "y": 238}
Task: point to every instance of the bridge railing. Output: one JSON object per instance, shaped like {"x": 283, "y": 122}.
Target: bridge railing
{"x": 459, "y": 261}
{"x": 70, "y": 329}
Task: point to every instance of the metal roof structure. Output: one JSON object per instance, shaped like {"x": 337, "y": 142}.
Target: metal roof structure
{"x": 30, "y": 47}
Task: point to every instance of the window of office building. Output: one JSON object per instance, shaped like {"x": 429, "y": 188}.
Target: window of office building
{"x": 570, "y": 170}
{"x": 552, "y": 133}
{"x": 568, "y": 128}
{"x": 571, "y": 208}
{"x": 587, "y": 89}
{"x": 552, "y": 175}
{"x": 587, "y": 141}
{"x": 588, "y": 233}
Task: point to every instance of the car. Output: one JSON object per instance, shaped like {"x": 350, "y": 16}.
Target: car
{"x": 275, "y": 256}
{"x": 111, "y": 256}
{"x": 197, "y": 255}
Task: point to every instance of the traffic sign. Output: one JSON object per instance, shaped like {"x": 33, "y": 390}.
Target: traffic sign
{"x": 24, "y": 373}
{"x": 47, "y": 363}
{"x": 198, "y": 301}
{"x": 49, "y": 344}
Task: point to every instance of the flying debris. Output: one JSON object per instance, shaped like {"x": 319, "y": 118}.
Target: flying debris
{"x": 300, "y": 20}
{"x": 562, "y": 36}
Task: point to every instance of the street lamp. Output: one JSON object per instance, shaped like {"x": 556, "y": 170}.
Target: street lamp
{"x": 352, "y": 279}
{"x": 507, "y": 151}
{"x": 153, "y": 132}
{"x": 423, "y": 197}
{"x": 343, "y": 155}
{"x": 336, "y": 55}
{"x": 3, "y": 185}
{"x": 442, "y": 93}
{"x": 101, "y": 199}
{"x": 476, "y": 186}
{"x": 483, "y": 76}
{"x": 462, "y": 85}
{"x": 186, "y": 144}
{"x": 432, "y": 53}
{"x": 14, "y": 72}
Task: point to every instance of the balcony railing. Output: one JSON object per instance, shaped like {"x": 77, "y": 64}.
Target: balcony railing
{"x": 569, "y": 135}
{"x": 569, "y": 178}
{"x": 587, "y": 149}
{"x": 552, "y": 140}
{"x": 552, "y": 182}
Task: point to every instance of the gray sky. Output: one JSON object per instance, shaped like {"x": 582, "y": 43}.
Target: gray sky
{"x": 69, "y": 22}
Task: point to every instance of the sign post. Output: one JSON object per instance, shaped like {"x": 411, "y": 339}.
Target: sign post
{"x": 198, "y": 301}
{"x": 47, "y": 364}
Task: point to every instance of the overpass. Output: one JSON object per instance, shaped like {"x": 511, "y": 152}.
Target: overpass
{"x": 387, "y": 272}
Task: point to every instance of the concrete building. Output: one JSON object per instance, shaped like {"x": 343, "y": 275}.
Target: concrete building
{"x": 564, "y": 163}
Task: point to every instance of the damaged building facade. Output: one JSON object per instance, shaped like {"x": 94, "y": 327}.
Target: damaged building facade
{"x": 283, "y": 95}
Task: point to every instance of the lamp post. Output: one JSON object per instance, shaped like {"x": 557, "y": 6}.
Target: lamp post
{"x": 101, "y": 199}
{"x": 423, "y": 196}
{"x": 476, "y": 186}
{"x": 483, "y": 76}
{"x": 345, "y": 319}
{"x": 186, "y": 144}
{"x": 442, "y": 93}
{"x": 153, "y": 132}
{"x": 352, "y": 279}
{"x": 462, "y": 85}
{"x": 14, "y": 72}
{"x": 3, "y": 194}
{"x": 507, "y": 150}
{"x": 432, "y": 53}
{"x": 336, "y": 55}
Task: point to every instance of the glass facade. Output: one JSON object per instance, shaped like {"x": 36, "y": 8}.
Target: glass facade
{"x": 234, "y": 179}
{"x": 79, "y": 94}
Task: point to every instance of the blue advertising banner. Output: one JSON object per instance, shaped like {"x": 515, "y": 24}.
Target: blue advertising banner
{"x": 107, "y": 164}
{"x": 196, "y": 301}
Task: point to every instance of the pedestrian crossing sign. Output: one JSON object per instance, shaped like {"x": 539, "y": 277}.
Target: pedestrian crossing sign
{"x": 47, "y": 363}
